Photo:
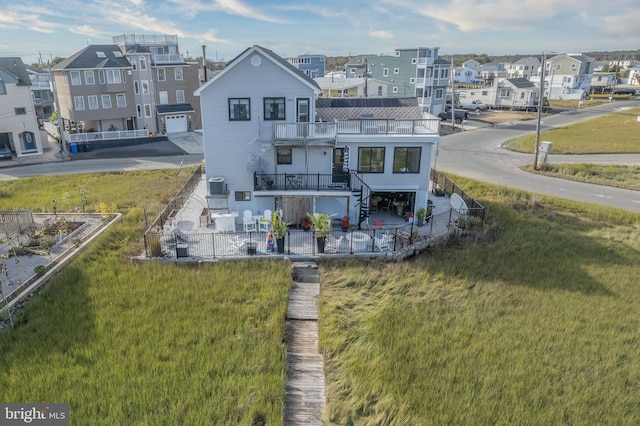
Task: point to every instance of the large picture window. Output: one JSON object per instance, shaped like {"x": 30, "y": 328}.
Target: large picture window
{"x": 371, "y": 160}
{"x": 274, "y": 109}
{"x": 239, "y": 109}
{"x": 406, "y": 160}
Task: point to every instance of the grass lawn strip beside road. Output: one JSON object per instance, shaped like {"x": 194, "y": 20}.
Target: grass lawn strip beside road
{"x": 615, "y": 133}
{"x": 627, "y": 177}
{"x": 145, "y": 344}
{"x": 536, "y": 326}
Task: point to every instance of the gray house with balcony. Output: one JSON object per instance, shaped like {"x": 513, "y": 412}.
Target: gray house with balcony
{"x": 269, "y": 145}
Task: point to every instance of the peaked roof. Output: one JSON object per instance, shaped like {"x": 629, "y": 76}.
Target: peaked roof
{"x": 374, "y": 108}
{"x": 92, "y": 57}
{"x": 269, "y": 55}
{"x": 136, "y": 48}
{"x": 15, "y": 66}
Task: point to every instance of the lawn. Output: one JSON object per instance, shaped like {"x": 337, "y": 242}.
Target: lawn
{"x": 615, "y": 133}
{"x": 627, "y": 177}
{"x": 536, "y": 326}
{"x": 151, "y": 343}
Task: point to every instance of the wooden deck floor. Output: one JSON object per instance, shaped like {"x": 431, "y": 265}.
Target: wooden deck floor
{"x": 304, "y": 386}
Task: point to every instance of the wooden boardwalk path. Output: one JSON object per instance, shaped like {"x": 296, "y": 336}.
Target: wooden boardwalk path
{"x": 304, "y": 385}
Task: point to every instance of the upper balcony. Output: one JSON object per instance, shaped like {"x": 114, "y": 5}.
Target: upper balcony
{"x": 168, "y": 58}
{"x": 326, "y": 133}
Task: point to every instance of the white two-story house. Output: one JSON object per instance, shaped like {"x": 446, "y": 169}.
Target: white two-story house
{"x": 19, "y": 130}
{"x": 266, "y": 148}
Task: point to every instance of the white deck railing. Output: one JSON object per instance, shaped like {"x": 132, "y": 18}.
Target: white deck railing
{"x": 299, "y": 131}
{"x": 103, "y": 136}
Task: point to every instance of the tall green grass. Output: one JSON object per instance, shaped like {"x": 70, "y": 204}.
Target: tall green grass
{"x": 148, "y": 343}
{"x": 536, "y": 326}
{"x": 627, "y": 177}
{"x": 613, "y": 133}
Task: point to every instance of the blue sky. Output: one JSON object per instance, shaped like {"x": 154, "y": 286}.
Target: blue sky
{"x": 291, "y": 27}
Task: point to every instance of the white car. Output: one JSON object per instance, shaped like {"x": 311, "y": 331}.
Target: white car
{"x": 476, "y": 106}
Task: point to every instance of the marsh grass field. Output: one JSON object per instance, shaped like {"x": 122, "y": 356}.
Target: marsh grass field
{"x": 537, "y": 325}
{"x": 151, "y": 343}
{"x": 615, "y": 133}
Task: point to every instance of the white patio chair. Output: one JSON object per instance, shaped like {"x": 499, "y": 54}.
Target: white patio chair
{"x": 264, "y": 224}
{"x": 238, "y": 244}
{"x": 248, "y": 223}
{"x": 383, "y": 242}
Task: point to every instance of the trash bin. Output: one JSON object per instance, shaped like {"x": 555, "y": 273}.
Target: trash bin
{"x": 182, "y": 251}
{"x": 80, "y": 146}
{"x": 251, "y": 248}
{"x": 74, "y": 148}
{"x": 87, "y": 147}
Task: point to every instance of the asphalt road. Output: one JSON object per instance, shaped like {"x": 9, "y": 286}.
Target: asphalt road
{"x": 479, "y": 154}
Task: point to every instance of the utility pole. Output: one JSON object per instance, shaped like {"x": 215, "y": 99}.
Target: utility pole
{"x": 366, "y": 73}
{"x": 540, "y": 98}
{"x": 204, "y": 62}
{"x": 64, "y": 152}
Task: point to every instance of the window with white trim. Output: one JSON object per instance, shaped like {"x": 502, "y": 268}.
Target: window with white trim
{"x": 101, "y": 78}
{"x": 106, "y": 101}
{"x": 121, "y": 100}
{"x": 412, "y": 80}
{"x": 136, "y": 87}
{"x": 177, "y": 73}
{"x": 147, "y": 110}
{"x": 439, "y": 93}
{"x": 143, "y": 63}
{"x": 504, "y": 93}
{"x": 180, "y": 96}
{"x": 113, "y": 77}
{"x": 396, "y": 70}
{"x": 163, "y": 96}
{"x": 162, "y": 74}
{"x": 134, "y": 64}
{"x": 78, "y": 103}
{"x": 385, "y": 72}
{"x": 92, "y": 100}
{"x": 395, "y": 90}
{"x": 75, "y": 78}
{"x": 139, "y": 110}
{"x": 89, "y": 78}
{"x": 145, "y": 87}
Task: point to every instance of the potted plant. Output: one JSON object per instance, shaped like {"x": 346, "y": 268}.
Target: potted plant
{"x": 280, "y": 229}
{"x": 321, "y": 224}
{"x": 439, "y": 192}
{"x": 421, "y": 213}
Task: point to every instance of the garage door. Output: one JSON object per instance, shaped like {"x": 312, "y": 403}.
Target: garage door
{"x": 176, "y": 123}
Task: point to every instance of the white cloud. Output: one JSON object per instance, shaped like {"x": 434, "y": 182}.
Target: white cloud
{"x": 192, "y": 8}
{"x": 89, "y": 31}
{"x": 381, "y": 34}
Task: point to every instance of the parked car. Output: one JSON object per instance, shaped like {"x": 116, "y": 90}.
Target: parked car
{"x": 5, "y": 152}
{"x": 476, "y": 106}
{"x": 460, "y": 115}
{"x": 624, "y": 91}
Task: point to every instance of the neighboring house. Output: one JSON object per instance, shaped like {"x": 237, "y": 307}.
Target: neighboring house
{"x": 415, "y": 72}
{"x": 567, "y": 76}
{"x": 163, "y": 83}
{"x": 522, "y": 68}
{"x": 464, "y": 75}
{"x": 603, "y": 82}
{"x": 41, "y": 92}
{"x": 352, "y": 87}
{"x": 312, "y": 65}
{"x": 95, "y": 90}
{"x": 634, "y": 76}
{"x": 503, "y": 93}
{"x": 19, "y": 128}
{"x": 128, "y": 86}
{"x": 265, "y": 148}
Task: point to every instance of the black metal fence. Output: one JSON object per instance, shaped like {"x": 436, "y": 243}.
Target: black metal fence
{"x": 176, "y": 203}
{"x": 442, "y": 185}
{"x": 178, "y": 244}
